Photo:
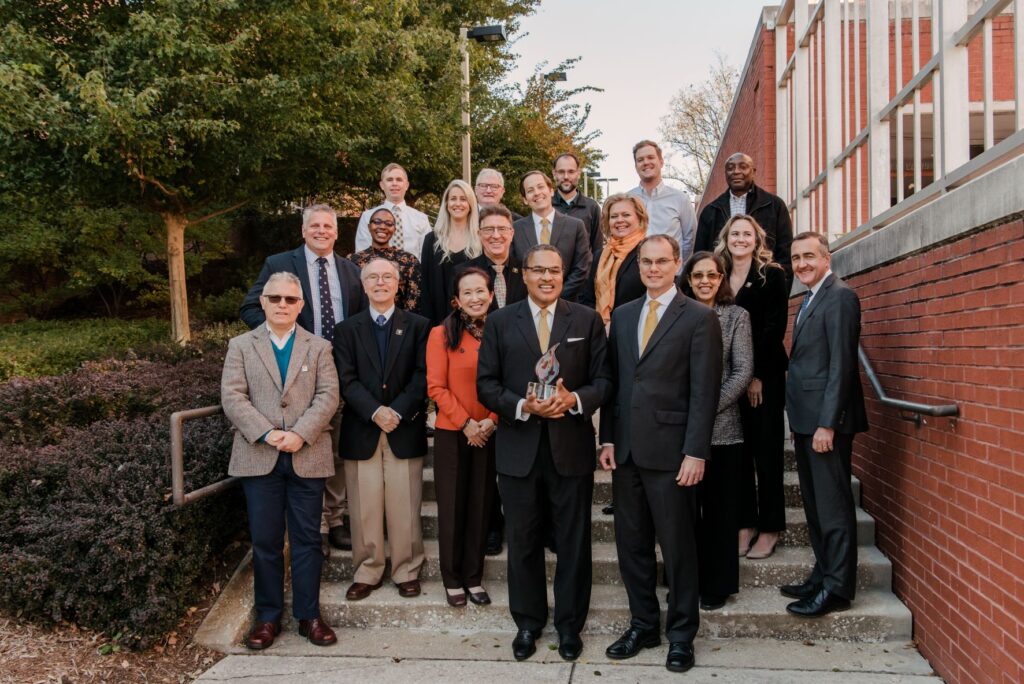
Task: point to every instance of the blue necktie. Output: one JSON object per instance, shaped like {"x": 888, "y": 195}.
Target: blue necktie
{"x": 381, "y": 321}
{"x": 326, "y": 304}
{"x": 803, "y": 307}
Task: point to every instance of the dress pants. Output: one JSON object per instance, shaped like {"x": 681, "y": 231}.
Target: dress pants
{"x": 718, "y": 498}
{"x": 649, "y": 507}
{"x": 269, "y": 500}
{"x": 464, "y": 482}
{"x": 391, "y": 488}
{"x": 763, "y": 505}
{"x": 525, "y": 500}
{"x": 334, "y": 489}
{"x": 831, "y": 519}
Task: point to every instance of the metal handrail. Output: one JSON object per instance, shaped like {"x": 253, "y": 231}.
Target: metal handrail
{"x": 178, "y": 493}
{"x": 915, "y": 409}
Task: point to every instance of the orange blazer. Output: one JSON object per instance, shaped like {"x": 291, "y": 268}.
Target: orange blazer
{"x": 451, "y": 381}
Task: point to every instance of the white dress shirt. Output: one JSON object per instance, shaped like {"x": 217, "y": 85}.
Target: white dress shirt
{"x": 415, "y": 226}
{"x": 670, "y": 212}
{"x": 664, "y": 300}
{"x": 280, "y": 342}
{"x": 535, "y": 314}
{"x": 551, "y": 223}
{"x": 737, "y": 204}
{"x": 313, "y": 270}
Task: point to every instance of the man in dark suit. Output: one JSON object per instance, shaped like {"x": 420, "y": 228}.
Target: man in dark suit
{"x": 381, "y": 358}
{"x": 544, "y": 225}
{"x": 745, "y": 197}
{"x": 825, "y": 404}
{"x": 319, "y": 269}
{"x": 570, "y": 201}
{"x": 666, "y": 359}
{"x": 545, "y": 450}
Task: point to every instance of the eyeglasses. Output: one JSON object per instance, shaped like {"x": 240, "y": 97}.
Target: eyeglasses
{"x": 660, "y": 263}
{"x": 491, "y": 187}
{"x": 288, "y": 299}
{"x": 383, "y": 277}
{"x": 382, "y": 222}
{"x": 544, "y": 270}
{"x": 491, "y": 230}
{"x": 710, "y": 276}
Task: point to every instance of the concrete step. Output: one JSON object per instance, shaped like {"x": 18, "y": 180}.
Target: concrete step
{"x": 603, "y": 487}
{"x": 787, "y": 565}
{"x": 603, "y": 526}
{"x": 877, "y": 615}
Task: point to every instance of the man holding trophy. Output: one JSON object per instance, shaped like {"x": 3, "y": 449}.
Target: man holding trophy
{"x": 543, "y": 370}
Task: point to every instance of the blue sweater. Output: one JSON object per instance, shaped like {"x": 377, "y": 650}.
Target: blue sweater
{"x": 284, "y": 356}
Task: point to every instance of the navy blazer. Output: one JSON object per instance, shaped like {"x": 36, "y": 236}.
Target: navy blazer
{"x": 353, "y": 299}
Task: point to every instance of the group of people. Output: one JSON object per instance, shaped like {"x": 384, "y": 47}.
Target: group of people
{"x": 520, "y": 328}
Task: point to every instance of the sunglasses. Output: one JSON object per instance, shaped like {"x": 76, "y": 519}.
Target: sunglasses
{"x": 288, "y": 299}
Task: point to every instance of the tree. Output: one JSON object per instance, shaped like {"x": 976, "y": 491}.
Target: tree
{"x": 188, "y": 109}
{"x": 696, "y": 122}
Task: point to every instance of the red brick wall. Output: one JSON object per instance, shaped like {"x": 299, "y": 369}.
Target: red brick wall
{"x": 947, "y": 325}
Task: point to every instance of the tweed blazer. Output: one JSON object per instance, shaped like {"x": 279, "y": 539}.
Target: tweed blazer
{"x": 255, "y": 402}
{"x": 737, "y": 370}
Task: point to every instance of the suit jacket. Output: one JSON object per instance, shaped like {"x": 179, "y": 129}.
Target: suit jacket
{"x": 586, "y": 210}
{"x": 515, "y": 286}
{"x": 255, "y": 402}
{"x": 570, "y": 237}
{"x": 628, "y": 285}
{"x": 353, "y": 299}
{"x": 401, "y": 384}
{"x": 509, "y": 351}
{"x": 823, "y": 384}
{"x": 665, "y": 401}
{"x": 767, "y": 302}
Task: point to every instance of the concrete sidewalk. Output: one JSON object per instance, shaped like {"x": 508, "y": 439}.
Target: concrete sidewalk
{"x": 414, "y": 656}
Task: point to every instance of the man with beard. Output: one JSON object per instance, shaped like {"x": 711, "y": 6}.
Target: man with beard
{"x": 571, "y": 202}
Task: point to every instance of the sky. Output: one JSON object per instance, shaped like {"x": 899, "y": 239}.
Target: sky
{"x": 641, "y": 52}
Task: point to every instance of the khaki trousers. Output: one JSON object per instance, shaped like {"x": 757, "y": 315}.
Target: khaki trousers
{"x": 385, "y": 488}
{"x": 334, "y": 490}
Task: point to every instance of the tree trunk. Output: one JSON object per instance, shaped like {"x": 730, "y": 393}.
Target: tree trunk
{"x": 176, "y": 223}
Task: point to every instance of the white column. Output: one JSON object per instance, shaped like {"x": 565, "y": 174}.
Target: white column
{"x": 802, "y": 120}
{"x": 833, "y": 115}
{"x": 878, "y": 97}
{"x": 782, "y": 160}
{"x": 954, "y": 132}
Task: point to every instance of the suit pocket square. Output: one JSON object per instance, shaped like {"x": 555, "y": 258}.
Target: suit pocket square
{"x": 575, "y": 339}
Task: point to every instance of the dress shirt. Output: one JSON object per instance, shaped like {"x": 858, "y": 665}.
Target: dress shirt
{"x": 664, "y": 300}
{"x": 313, "y": 270}
{"x": 817, "y": 286}
{"x": 535, "y": 315}
{"x": 387, "y": 317}
{"x": 415, "y": 226}
{"x": 550, "y": 216}
{"x": 671, "y": 213}
{"x": 280, "y": 342}
{"x": 737, "y": 204}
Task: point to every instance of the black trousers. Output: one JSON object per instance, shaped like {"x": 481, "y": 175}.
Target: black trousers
{"x": 496, "y": 520}
{"x": 831, "y": 519}
{"x": 718, "y": 496}
{"x": 763, "y": 504}
{"x": 649, "y": 507}
{"x": 269, "y": 500}
{"x": 464, "y": 481}
{"x": 569, "y": 499}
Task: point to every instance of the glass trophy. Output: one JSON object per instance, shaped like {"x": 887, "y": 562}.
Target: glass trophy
{"x": 547, "y": 372}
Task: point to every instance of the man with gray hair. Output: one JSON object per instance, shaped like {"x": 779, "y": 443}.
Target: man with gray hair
{"x": 490, "y": 189}
{"x": 331, "y": 292}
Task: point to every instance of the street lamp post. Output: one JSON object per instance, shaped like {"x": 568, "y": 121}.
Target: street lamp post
{"x": 607, "y": 185}
{"x": 481, "y": 34}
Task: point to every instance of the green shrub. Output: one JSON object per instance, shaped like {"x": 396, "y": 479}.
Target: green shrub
{"x": 220, "y": 308}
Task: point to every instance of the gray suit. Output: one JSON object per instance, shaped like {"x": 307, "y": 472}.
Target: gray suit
{"x": 823, "y": 390}
{"x": 569, "y": 235}
{"x": 663, "y": 409}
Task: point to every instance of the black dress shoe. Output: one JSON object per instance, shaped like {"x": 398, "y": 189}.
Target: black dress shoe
{"x": 570, "y": 646}
{"x": 680, "y": 657}
{"x": 712, "y": 602}
{"x": 493, "y": 545}
{"x": 525, "y": 644}
{"x": 631, "y": 642}
{"x": 609, "y": 509}
{"x": 340, "y": 538}
{"x": 822, "y": 603}
{"x": 800, "y": 591}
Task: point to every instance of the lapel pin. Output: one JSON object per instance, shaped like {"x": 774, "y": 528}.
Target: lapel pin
{"x": 305, "y": 369}
{"x": 399, "y": 331}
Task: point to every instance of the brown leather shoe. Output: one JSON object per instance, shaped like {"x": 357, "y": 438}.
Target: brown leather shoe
{"x": 409, "y": 589}
{"x": 318, "y": 632}
{"x": 358, "y": 591}
{"x": 262, "y": 635}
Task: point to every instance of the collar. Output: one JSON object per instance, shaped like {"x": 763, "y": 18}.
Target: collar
{"x": 311, "y": 256}
{"x": 535, "y": 308}
{"x": 280, "y": 342}
{"x": 388, "y": 204}
{"x": 817, "y": 286}
{"x": 665, "y": 299}
{"x": 658, "y": 189}
{"x": 506, "y": 262}
{"x": 374, "y": 313}
{"x": 550, "y": 216}
{"x": 735, "y": 196}
{"x": 567, "y": 202}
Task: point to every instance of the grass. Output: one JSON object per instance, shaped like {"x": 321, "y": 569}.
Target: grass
{"x": 35, "y": 348}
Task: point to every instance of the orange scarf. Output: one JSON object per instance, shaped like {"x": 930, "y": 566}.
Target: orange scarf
{"x": 614, "y": 253}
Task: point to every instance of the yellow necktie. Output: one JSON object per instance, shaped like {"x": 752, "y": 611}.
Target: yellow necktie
{"x": 543, "y": 331}
{"x": 650, "y": 323}
{"x": 545, "y": 232}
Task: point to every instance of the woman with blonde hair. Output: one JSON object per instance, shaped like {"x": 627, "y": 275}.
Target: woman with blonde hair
{"x": 759, "y": 285}
{"x": 453, "y": 241}
{"x": 614, "y": 274}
